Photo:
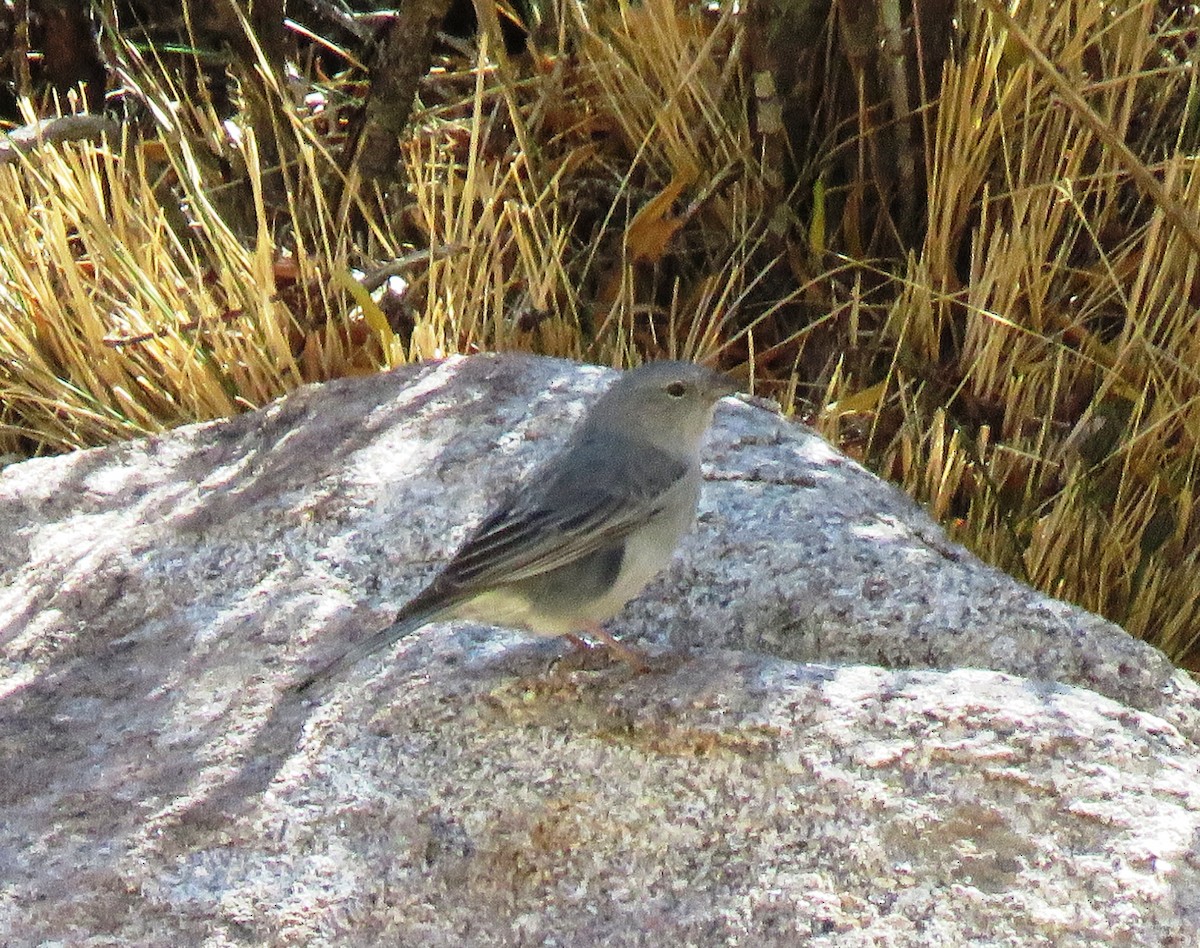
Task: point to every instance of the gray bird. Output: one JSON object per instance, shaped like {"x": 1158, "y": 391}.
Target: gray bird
{"x": 585, "y": 532}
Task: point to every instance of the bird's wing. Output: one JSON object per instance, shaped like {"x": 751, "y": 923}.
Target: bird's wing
{"x": 599, "y": 501}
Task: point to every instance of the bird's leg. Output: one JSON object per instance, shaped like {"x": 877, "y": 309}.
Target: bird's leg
{"x": 580, "y": 644}
{"x": 631, "y": 656}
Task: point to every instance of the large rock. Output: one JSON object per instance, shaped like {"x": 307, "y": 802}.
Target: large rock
{"x": 1020, "y": 772}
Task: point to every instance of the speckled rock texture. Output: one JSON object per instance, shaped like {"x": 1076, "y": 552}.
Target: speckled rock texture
{"x": 854, "y": 732}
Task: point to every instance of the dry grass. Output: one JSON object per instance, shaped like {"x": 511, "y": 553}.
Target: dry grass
{"x": 1046, "y": 405}
{"x": 1027, "y": 365}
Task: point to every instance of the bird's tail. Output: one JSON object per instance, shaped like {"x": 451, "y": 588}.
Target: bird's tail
{"x": 404, "y": 624}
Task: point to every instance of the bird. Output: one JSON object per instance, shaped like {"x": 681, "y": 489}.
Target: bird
{"x": 586, "y": 531}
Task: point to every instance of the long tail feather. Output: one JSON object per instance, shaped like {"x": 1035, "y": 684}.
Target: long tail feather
{"x": 315, "y": 684}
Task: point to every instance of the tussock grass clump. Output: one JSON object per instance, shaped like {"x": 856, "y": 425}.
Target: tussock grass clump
{"x": 1042, "y": 390}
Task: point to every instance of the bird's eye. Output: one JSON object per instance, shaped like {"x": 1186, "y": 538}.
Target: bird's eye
{"x": 676, "y": 389}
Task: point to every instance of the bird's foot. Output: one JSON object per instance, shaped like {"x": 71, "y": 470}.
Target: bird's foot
{"x": 634, "y": 658}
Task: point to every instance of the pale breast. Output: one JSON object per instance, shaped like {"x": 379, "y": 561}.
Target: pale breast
{"x": 648, "y": 550}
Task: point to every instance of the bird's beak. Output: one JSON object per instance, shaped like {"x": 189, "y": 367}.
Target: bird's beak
{"x": 722, "y": 385}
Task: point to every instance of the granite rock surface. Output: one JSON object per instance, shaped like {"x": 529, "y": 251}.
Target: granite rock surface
{"x": 854, "y": 734}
